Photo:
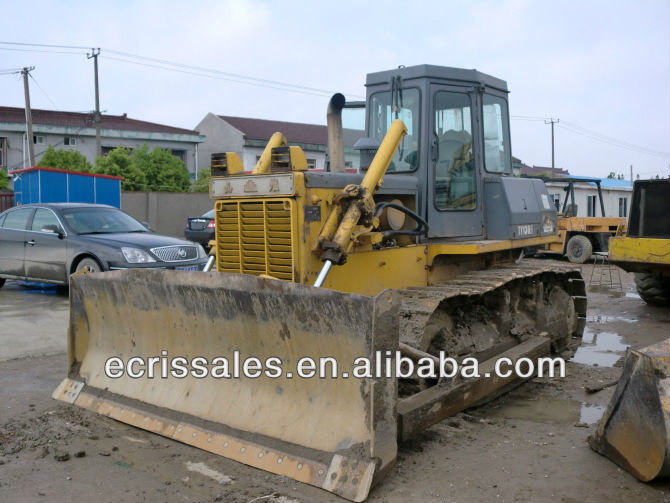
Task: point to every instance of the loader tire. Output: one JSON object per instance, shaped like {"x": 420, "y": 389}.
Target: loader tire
{"x": 579, "y": 249}
{"x": 2, "y": 282}
{"x": 653, "y": 288}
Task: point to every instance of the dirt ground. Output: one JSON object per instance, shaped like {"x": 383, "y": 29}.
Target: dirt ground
{"x": 528, "y": 445}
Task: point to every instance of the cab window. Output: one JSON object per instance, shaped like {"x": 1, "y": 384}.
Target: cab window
{"x": 17, "y": 219}
{"x": 385, "y": 107}
{"x": 43, "y": 217}
{"x": 455, "y": 177}
{"x": 497, "y": 157}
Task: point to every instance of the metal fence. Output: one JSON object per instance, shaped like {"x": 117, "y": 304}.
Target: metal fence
{"x": 6, "y": 201}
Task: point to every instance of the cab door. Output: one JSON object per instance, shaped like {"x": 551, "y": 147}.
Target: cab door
{"x": 454, "y": 185}
{"x": 46, "y": 250}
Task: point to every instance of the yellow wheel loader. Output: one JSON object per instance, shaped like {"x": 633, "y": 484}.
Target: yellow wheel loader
{"x": 579, "y": 237}
{"x": 416, "y": 260}
{"x": 644, "y": 248}
{"x": 634, "y": 431}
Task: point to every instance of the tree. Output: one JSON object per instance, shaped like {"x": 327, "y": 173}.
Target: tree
{"x": 70, "y": 160}
{"x": 611, "y": 176}
{"x": 4, "y": 181}
{"x": 156, "y": 170}
{"x": 119, "y": 162}
{"x": 202, "y": 183}
{"x": 163, "y": 171}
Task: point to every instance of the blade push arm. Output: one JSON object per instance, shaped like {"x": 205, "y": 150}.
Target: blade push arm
{"x": 355, "y": 204}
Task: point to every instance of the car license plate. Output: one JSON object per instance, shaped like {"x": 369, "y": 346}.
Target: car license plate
{"x": 186, "y": 268}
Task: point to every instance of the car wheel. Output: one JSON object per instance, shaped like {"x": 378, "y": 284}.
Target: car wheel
{"x": 2, "y": 282}
{"x": 579, "y": 249}
{"x": 88, "y": 265}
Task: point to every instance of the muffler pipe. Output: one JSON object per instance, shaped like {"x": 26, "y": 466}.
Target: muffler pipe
{"x": 335, "y": 133}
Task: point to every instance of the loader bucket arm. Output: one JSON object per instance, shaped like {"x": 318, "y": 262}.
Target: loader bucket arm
{"x": 334, "y": 433}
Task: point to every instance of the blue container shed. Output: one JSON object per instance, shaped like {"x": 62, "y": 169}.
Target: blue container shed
{"x": 49, "y": 185}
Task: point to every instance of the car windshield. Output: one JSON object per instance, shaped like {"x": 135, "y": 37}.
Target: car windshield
{"x": 209, "y": 214}
{"x": 101, "y": 221}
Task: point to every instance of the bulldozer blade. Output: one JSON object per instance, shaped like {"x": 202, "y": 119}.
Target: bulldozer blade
{"x": 634, "y": 430}
{"x": 336, "y": 433}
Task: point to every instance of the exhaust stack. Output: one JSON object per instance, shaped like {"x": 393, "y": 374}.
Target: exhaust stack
{"x": 335, "y": 133}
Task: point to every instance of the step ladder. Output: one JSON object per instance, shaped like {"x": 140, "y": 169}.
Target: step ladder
{"x": 602, "y": 274}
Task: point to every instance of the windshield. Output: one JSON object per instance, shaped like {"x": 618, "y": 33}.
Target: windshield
{"x": 101, "y": 221}
{"x": 403, "y": 104}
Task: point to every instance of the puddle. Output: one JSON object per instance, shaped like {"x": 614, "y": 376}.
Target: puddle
{"x": 590, "y": 413}
{"x": 602, "y": 349}
{"x": 548, "y": 410}
{"x": 610, "y": 319}
{"x": 613, "y": 292}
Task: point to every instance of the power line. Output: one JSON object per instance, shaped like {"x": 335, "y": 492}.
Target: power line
{"x": 616, "y": 143}
{"x": 594, "y": 135}
{"x": 26, "y": 44}
{"x": 195, "y": 70}
{"x": 8, "y": 71}
{"x": 528, "y": 118}
{"x": 43, "y": 91}
{"x": 215, "y": 77}
{"x": 220, "y": 72}
{"x": 612, "y": 139}
{"x": 38, "y": 50}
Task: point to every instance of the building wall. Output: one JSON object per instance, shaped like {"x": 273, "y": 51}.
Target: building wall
{"x": 219, "y": 137}
{"x": 251, "y": 154}
{"x": 17, "y": 155}
{"x": 166, "y": 212}
{"x": 610, "y": 198}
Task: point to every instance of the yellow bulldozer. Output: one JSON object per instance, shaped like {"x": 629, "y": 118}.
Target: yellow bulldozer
{"x": 417, "y": 259}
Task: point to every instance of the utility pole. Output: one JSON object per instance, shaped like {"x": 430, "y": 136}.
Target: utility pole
{"x": 631, "y": 174}
{"x": 94, "y": 54}
{"x": 29, "y": 115}
{"x": 552, "y": 122}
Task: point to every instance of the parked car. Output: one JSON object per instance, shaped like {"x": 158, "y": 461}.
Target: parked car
{"x": 201, "y": 229}
{"x": 48, "y": 242}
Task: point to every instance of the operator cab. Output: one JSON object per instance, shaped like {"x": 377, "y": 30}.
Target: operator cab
{"x": 458, "y": 139}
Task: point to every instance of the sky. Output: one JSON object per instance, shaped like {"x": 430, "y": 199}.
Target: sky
{"x": 601, "y": 67}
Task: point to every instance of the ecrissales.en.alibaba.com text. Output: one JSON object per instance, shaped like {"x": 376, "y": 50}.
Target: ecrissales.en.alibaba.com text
{"x": 382, "y": 364}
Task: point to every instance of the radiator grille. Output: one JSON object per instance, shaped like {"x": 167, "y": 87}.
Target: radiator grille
{"x": 176, "y": 253}
{"x": 255, "y": 238}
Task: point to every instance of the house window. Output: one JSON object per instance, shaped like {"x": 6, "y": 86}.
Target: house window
{"x": 590, "y": 206}
{"x": 311, "y": 163}
{"x": 69, "y": 141}
{"x": 3, "y": 152}
{"x": 179, "y": 154}
{"x": 38, "y": 139}
{"x": 623, "y": 207}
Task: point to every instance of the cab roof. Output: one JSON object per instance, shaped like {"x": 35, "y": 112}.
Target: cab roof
{"x": 455, "y": 75}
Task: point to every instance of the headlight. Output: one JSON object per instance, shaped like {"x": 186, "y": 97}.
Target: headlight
{"x": 201, "y": 252}
{"x": 136, "y": 256}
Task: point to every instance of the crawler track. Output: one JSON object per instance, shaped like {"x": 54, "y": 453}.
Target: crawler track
{"x": 483, "y": 313}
